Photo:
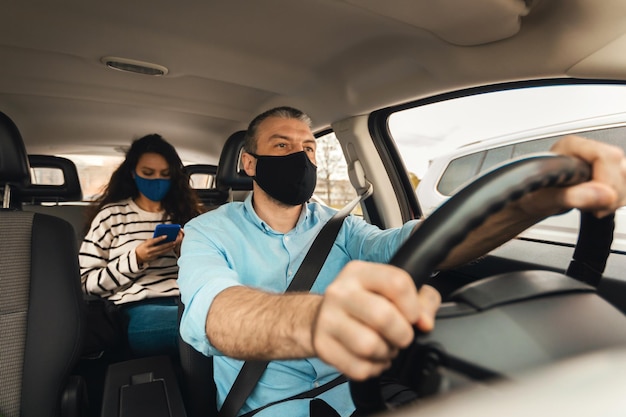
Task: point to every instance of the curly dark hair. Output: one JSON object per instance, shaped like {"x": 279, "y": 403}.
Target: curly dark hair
{"x": 181, "y": 203}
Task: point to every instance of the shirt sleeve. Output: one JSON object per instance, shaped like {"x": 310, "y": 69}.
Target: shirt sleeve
{"x": 204, "y": 272}
{"x": 101, "y": 273}
{"x": 367, "y": 242}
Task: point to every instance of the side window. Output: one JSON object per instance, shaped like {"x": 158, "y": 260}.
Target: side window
{"x": 458, "y": 171}
{"x": 202, "y": 181}
{"x": 532, "y": 146}
{"x": 490, "y": 120}
{"x": 496, "y": 156}
{"x": 94, "y": 172}
{"x": 446, "y": 143}
{"x": 614, "y": 136}
{"x": 333, "y": 185}
{"x": 463, "y": 169}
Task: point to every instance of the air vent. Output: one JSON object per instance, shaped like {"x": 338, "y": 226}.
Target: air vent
{"x": 131, "y": 65}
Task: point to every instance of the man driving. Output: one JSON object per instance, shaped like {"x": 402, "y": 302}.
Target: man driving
{"x": 238, "y": 260}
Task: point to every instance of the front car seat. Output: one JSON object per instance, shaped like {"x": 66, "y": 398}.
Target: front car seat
{"x": 41, "y": 309}
{"x": 230, "y": 177}
{"x": 197, "y": 370}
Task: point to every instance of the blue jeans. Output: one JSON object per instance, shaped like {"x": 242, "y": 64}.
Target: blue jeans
{"x": 152, "y": 326}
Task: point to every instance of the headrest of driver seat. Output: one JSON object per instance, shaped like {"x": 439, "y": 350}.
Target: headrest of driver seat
{"x": 229, "y": 176}
{"x": 14, "y": 167}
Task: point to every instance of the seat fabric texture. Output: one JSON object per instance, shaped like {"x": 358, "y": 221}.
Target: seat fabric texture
{"x": 41, "y": 309}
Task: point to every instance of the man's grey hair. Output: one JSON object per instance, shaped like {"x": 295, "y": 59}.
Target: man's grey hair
{"x": 285, "y": 112}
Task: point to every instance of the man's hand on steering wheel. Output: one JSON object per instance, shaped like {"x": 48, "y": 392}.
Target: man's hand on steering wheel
{"x": 363, "y": 320}
{"x": 603, "y": 194}
{"x": 587, "y": 175}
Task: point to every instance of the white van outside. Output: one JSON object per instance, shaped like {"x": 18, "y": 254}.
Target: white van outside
{"x": 450, "y": 172}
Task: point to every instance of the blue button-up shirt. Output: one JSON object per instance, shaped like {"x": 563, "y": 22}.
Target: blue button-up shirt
{"x": 232, "y": 246}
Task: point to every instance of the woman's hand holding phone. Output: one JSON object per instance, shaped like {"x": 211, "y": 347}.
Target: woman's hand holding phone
{"x": 164, "y": 240}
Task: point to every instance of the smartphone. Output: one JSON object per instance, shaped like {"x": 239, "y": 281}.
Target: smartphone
{"x": 169, "y": 230}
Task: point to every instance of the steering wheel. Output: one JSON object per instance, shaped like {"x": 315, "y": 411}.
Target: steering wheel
{"x": 456, "y": 218}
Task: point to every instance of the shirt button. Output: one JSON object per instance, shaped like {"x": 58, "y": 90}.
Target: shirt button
{"x": 287, "y": 238}
{"x": 316, "y": 384}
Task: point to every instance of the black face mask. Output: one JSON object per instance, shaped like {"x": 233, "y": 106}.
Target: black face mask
{"x": 289, "y": 179}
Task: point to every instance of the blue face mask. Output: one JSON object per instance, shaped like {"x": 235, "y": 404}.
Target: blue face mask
{"x": 155, "y": 189}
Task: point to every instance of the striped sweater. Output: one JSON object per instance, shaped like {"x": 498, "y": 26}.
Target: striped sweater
{"x": 108, "y": 263}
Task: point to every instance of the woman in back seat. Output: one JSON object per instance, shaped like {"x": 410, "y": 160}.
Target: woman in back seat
{"x": 119, "y": 258}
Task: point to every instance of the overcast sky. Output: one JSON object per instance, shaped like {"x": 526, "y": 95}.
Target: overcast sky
{"x": 428, "y": 131}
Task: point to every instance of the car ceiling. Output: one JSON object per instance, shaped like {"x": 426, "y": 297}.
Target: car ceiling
{"x": 230, "y": 59}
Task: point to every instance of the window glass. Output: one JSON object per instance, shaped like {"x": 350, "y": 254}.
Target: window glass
{"x": 615, "y": 136}
{"x": 94, "y": 172}
{"x": 202, "y": 181}
{"x": 496, "y": 156}
{"x": 459, "y": 171}
{"x": 532, "y": 146}
{"x": 430, "y": 131}
{"x": 448, "y": 143}
{"x": 333, "y": 185}
{"x": 47, "y": 176}
{"x": 466, "y": 167}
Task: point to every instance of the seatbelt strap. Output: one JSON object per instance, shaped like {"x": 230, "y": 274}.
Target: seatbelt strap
{"x": 312, "y": 393}
{"x": 306, "y": 275}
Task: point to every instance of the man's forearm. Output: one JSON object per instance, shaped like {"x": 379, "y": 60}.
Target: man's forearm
{"x": 496, "y": 230}
{"x": 249, "y": 324}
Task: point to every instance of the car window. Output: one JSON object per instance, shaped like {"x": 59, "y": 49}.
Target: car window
{"x": 477, "y": 133}
{"x": 47, "y": 176}
{"x": 333, "y": 184}
{"x": 460, "y": 169}
{"x": 94, "y": 172}
{"x": 425, "y": 132}
{"x": 202, "y": 181}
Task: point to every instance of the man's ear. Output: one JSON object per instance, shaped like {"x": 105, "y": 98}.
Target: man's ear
{"x": 249, "y": 163}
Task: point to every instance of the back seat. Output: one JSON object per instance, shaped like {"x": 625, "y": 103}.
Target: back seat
{"x": 63, "y": 200}
{"x": 117, "y": 385}
{"x": 196, "y": 370}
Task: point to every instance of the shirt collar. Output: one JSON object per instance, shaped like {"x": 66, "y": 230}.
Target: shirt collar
{"x": 252, "y": 216}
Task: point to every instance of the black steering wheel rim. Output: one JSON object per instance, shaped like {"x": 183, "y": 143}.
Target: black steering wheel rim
{"x": 447, "y": 226}
{"x": 473, "y": 204}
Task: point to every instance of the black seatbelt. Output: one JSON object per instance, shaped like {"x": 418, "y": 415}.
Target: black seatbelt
{"x": 251, "y": 371}
{"x": 312, "y": 393}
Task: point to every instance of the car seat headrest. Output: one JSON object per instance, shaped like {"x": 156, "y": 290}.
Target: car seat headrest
{"x": 14, "y": 167}
{"x": 229, "y": 175}
{"x": 211, "y": 197}
{"x": 69, "y": 190}
{"x": 202, "y": 170}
